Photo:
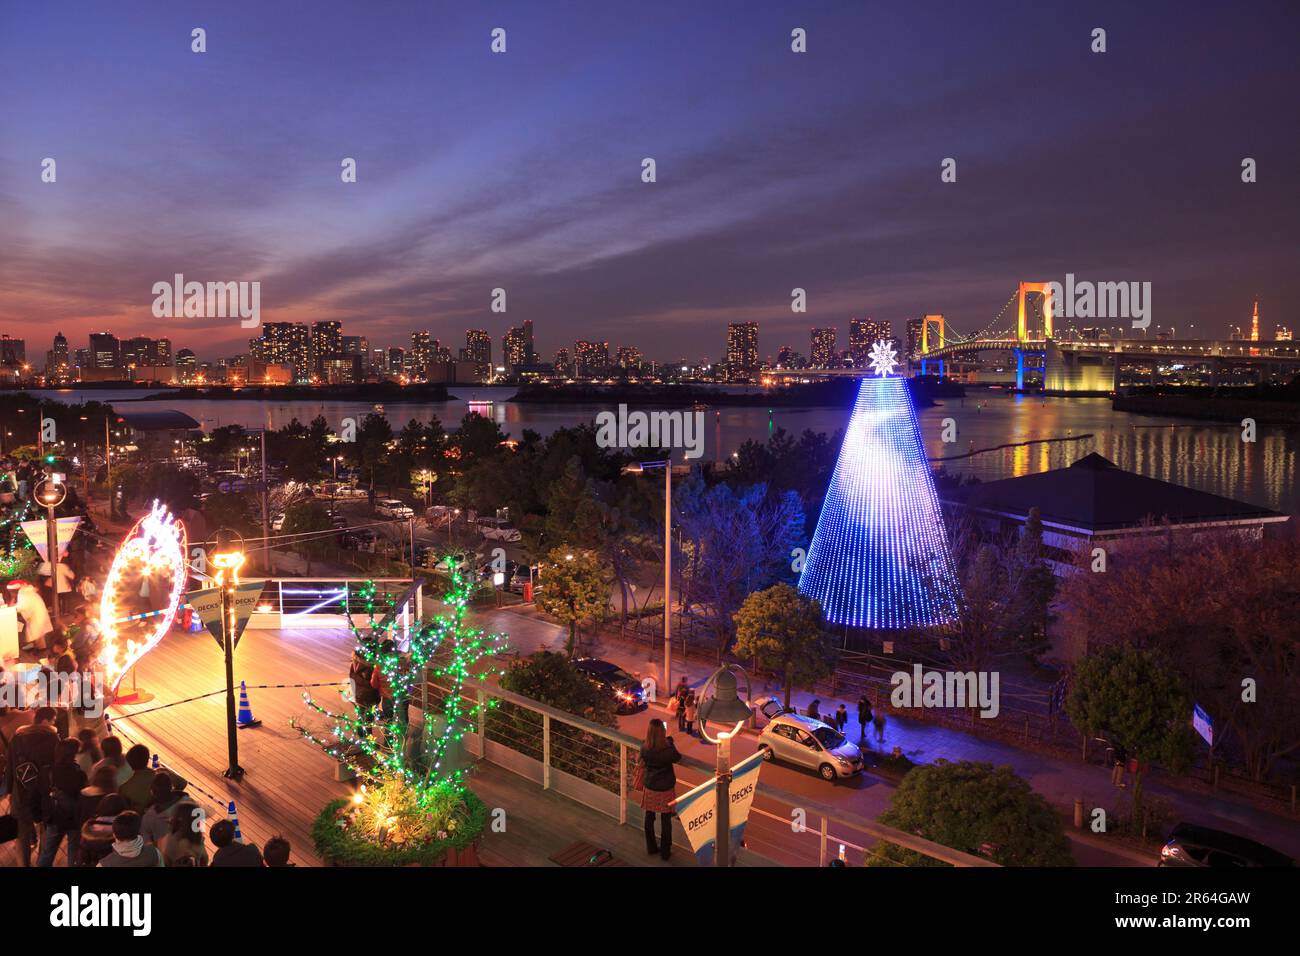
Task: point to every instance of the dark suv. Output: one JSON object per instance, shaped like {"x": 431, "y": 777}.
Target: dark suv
{"x": 622, "y": 687}
{"x": 1192, "y": 845}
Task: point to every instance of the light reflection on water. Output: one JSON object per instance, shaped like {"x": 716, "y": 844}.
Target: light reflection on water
{"x": 1207, "y": 455}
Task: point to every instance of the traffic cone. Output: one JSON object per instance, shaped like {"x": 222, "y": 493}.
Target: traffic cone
{"x": 245, "y": 718}
{"x": 234, "y": 818}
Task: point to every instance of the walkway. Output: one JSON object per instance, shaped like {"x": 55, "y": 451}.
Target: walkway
{"x": 1060, "y": 781}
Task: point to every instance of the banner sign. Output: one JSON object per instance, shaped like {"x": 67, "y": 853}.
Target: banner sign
{"x": 38, "y": 534}
{"x": 207, "y": 605}
{"x": 697, "y": 809}
{"x": 1202, "y": 724}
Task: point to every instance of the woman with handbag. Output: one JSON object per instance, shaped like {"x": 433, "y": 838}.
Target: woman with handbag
{"x": 658, "y": 787}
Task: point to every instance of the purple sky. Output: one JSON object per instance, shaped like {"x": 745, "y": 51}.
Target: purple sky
{"x": 522, "y": 170}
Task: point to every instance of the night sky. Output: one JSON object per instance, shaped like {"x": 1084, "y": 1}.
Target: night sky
{"x": 522, "y": 170}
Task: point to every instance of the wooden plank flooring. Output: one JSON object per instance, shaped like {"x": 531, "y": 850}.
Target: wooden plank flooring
{"x": 288, "y": 779}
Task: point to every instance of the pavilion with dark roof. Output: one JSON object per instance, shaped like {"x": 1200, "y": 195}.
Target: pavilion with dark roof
{"x": 1094, "y": 503}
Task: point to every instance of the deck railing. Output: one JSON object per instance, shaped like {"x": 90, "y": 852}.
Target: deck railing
{"x": 594, "y": 765}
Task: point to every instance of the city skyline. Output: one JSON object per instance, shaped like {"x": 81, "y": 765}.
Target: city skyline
{"x": 818, "y": 171}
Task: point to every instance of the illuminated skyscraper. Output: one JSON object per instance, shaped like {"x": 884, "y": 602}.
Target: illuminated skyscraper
{"x": 863, "y": 333}
{"x": 478, "y": 349}
{"x": 879, "y": 558}
{"x": 326, "y": 342}
{"x": 1254, "y": 323}
{"x": 823, "y": 348}
{"x": 742, "y": 349}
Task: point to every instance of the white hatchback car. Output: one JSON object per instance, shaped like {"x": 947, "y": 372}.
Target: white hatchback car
{"x": 809, "y": 743}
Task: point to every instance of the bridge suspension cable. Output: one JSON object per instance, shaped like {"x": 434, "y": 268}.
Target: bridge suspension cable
{"x": 949, "y": 340}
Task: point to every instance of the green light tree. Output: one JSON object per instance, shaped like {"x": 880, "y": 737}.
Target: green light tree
{"x": 412, "y": 786}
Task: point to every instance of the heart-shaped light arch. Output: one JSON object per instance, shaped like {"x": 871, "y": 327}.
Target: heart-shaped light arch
{"x": 156, "y": 544}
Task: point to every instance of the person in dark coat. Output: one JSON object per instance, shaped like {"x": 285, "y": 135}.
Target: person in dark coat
{"x": 658, "y": 754}
{"x": 62, "y": 815}
{"x": 864, "y": 714}
{"x": 30, "y": 760}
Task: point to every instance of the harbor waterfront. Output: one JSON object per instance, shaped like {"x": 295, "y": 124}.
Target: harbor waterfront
{"x": 1209, "y": 456}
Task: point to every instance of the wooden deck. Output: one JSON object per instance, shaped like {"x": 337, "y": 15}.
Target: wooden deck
{"x": 288, "y": 779}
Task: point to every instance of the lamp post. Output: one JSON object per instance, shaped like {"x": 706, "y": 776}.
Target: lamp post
{"x": 51, "y": 493}
{"x": 667, "y": 466}
{"x": 228, "y": 558}
{"x": 726, "y": 707}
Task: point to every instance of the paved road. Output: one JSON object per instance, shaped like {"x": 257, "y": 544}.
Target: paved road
{"x": 867, "y": 795}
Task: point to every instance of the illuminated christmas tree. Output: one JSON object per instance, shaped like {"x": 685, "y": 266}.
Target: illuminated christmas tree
{"x": 411, "y": 781}
{"x": 880, "y": 557}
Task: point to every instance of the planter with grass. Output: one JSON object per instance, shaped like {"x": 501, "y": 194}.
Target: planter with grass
{"x": 384, "y": 828}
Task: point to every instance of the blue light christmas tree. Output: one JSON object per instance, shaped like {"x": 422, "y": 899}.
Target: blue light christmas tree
{"x": 880, "y": 557}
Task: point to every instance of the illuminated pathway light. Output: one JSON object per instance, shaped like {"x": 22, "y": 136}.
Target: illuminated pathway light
{"x": 154, "y": 546}
{"x": 880, "y": 558}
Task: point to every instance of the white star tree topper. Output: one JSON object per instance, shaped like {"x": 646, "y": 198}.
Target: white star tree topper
{"x": 882, "y": 359}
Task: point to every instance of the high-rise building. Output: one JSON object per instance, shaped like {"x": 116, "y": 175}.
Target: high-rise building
{"x": 187, "y": 365}
{"x": 419, "y": 356}
{"x": 58, "y": 364}
{"x": 1254, "y": 323}
{"x": 628, "y": 358}
{"x": 396, "y": 360}
{"x": 326, "y": 342}
{"x": 914, "y": 336}
{"x": 1283, "y": 334}
{"x": 355, "y": 345}
{"x": 590, "y": 359}
{"x": 823, "y": 348}
{"x": 13, "y": 352}
{"x": 285, "y": 343}
{"x": 515, "y": 346}
{"x": 105, "y": 351}
{"x": 742, "y": 349}
{"x": 478, "y": 349}
{"x": 864, "y": 333}
{"x": 563, "y": 362}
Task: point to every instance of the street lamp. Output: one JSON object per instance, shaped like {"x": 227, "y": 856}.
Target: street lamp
{"x": 228, "y": 558}
{"x": 725, "y": 707}
{"x": 51, "y": 493}
{"x": 637, "y": 469}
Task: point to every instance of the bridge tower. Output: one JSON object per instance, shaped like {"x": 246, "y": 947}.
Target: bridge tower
{"x": 926, "y": 322}
{"x": 1022, "y": 333}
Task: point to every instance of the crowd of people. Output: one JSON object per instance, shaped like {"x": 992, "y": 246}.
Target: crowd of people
{"x": 108, "y": 805}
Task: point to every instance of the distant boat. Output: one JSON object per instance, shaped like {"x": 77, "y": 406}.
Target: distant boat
{"x": 700, "y": 407}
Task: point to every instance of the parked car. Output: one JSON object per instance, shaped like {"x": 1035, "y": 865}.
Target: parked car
{"x": 495, "y": 529}
{"x": 392, "y": 508}
{"x": 466, "y": 561}
{"x": 361, "y": 539}
{"x": 625, "y": 690}
{"x": 1193, "y": 845}
{"x": 809, "y": 743}
{"x": 439, "y": 516}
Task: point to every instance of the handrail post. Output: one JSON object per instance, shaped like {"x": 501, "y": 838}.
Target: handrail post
{"x": 546, "y": 751}
{"x": 482, "y": 722}
{"x": 821, "y": 852}
{"x": 279, "y": 590}
{"x": 622, "y": 783}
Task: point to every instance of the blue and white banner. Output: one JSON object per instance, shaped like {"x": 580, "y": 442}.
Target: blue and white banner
{"x": 697, "y": 809}
{"x": 1203, "y": 724}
